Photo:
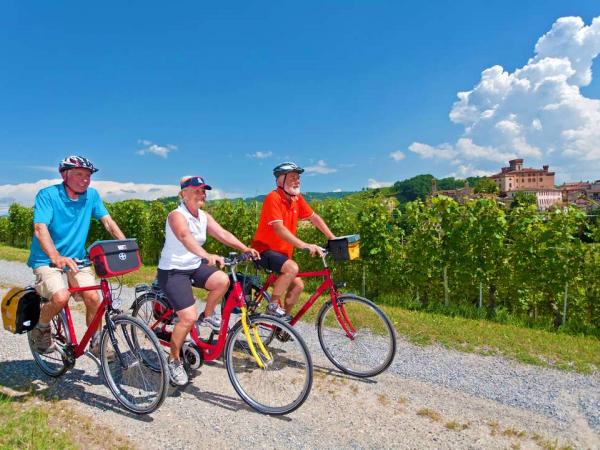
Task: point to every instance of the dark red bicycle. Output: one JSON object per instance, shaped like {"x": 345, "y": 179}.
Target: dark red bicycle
{"x": 355, "y": 334}
{"x": 274, "y": 377}
{"x": 132, "y": 361}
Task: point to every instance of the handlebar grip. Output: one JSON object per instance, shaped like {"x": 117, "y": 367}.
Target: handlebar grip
{"x": 80, "y": 263}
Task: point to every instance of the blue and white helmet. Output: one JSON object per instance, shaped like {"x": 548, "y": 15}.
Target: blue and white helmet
{"x": 76, "y": 162}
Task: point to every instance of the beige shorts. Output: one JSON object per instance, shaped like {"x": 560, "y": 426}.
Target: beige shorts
{"x": 50, "y": 280}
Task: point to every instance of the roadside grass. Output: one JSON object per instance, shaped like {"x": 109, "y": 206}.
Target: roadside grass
{"x": 23, "y": 425}
{"x": 531, "y": 346}
{"x": 14, "y": 254}
{"x": 30, "y": 421}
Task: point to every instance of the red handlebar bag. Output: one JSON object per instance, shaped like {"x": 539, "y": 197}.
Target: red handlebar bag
{"x": 113, "y": 258}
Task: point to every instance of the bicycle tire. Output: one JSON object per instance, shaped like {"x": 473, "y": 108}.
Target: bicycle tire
{"x": 55, "y": 363}
{"x": 145, "y": 308}
{"x": 285, "y": 381}
{"x": 372, "y": 348}
{"x": 139, "y": 379}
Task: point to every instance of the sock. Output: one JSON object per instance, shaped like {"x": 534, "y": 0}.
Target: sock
{"x": 43, "y": 324}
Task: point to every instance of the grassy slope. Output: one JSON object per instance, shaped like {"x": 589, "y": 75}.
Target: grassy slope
{"x": 30, "y": 421}
{"x": 26, "y": 426}
{"x": 579, "y": 353}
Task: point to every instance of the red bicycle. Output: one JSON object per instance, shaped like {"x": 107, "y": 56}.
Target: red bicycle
{"x": 135, "y": 371}
{"x": 355, "y": 334}
{"x": 272, "y": 377}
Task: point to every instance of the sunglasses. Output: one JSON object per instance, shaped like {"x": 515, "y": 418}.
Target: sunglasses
{"x": 195, "y": 182}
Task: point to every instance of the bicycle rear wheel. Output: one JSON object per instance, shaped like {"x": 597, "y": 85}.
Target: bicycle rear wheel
{"x": 137, "y": 372}
{"x": 284, "y": 381}
{"x": 149, "y": 308}
{"x": 369, "y": 346}
{"x": 54, "y": 363}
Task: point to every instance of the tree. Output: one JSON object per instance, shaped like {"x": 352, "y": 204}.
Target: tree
{"x": 486, "y": 186}
{"x": 20, "y": 226}
{"x": 414, "y": 188}
{"x": 523, "y": 199}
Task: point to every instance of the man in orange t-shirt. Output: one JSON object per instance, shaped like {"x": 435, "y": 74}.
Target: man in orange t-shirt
{"x": 276, "y": 239}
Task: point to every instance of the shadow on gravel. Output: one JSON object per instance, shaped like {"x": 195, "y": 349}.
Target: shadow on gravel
{"x": 24, "y": 376}
{"x": 321, "y": 371}
{"x": 220, "y": 400}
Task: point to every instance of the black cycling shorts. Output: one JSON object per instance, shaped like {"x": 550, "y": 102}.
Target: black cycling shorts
{"x": 176, "y": 284}
{"x": 272, "y": 260}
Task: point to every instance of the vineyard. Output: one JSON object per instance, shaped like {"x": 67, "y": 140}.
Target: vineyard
{"x": 473, "y": 259}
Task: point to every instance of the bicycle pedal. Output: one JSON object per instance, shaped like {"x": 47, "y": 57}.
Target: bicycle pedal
{"x": 163, "y": 335}
{"x": 283, "y": 336}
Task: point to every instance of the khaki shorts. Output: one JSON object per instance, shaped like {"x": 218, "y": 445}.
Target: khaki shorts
{"x": 50, "y": 280}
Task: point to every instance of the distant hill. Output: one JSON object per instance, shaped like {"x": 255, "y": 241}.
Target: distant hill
{"x": 259, "y": 198}
{"x": 418, "y": 187}
{"x": 404, "y": 191}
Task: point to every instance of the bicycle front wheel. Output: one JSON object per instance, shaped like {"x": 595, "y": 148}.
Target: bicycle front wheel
{"x": 54, "y": 363}
{"x": 280, "y": 380}
{"x": 359, "y": 339}
{"x": 133, "y": 364}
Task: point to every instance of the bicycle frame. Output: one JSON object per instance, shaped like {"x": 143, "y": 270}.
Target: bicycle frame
{"x": 79, "y": 348}
{"x": 327, "y": 284}
{"x": 212, "y": 351}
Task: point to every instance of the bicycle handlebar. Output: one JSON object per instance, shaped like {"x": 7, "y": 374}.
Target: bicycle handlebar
{"x": 81, "y": 264}
{"x": 323, "y": 249}
{"x": 234, "y": 260}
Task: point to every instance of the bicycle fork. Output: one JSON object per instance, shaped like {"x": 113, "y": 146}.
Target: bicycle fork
{"x": 261, "y": 346}
{"x": 110, "y": 328}
{"x": 340, "y": 312}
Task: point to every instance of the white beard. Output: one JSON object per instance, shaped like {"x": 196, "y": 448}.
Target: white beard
{"x": 294, "y": 191}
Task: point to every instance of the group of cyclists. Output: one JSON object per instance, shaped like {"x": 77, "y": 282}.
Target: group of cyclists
{"x": 62, "y": 216}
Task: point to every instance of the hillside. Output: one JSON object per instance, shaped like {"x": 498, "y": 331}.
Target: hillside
{"x": 404, "y": 191}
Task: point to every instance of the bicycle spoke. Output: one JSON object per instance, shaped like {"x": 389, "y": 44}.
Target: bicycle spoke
{"x": 371, "y": 348}
{"x": 54, "y": 363}
{"x": 284, "y": 381}
{"x": 140, "y": 381}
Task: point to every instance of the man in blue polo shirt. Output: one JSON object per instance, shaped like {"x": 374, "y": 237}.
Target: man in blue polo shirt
{"x": 61, "y": 216}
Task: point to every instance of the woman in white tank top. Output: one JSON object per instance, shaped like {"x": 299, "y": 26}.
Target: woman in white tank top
{"x": 184, "y": 259}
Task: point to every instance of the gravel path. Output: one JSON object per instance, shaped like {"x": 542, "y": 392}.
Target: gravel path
{"x": 430, "y": 398}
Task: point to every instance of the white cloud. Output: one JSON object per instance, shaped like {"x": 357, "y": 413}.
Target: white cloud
{"x": 260, "y": 155}
{"x": 159, "y": 150}
{"x": 536, "y": 112}
{"x": 44, "y": 168}
{"x": 397, "y": 156}
{"x": 321, "y": 168}
{"x": 444, "y": 151}
{"x": 467, "y": 170}
{"x": 337, "y": 190}
{"x": 110, "y": 191}
{"x": 374, "y": 184}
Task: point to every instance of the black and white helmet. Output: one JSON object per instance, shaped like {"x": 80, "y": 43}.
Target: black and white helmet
{"x": 76, "y": 162}
{"x": 287, "y": 167}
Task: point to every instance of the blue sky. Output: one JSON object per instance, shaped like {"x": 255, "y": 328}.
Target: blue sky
{"x": 362, "y": 93}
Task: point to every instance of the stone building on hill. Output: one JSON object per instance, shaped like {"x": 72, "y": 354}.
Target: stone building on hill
{"x": 515, "y": 177}
{"x": 539, "y": 182}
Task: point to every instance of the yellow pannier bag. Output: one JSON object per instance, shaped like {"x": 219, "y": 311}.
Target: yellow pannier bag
{"x": 345, "y": 248}
{"x": 20, "y": 309}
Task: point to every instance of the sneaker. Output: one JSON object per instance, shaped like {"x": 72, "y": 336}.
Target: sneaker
{"x": 213, "y": 322}
{"x": 283, "y": 336}
{"x": 273, "y": 309}
{"x": 42, "y": 339}
{"x": 177, "y": 373}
